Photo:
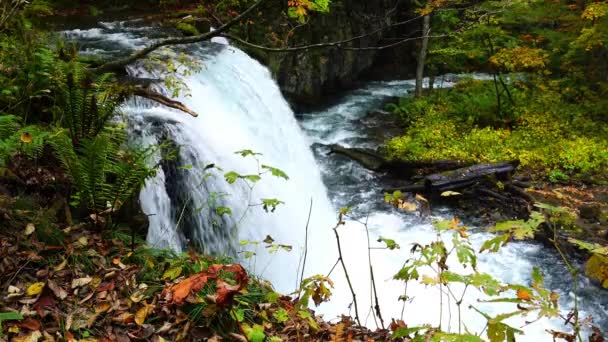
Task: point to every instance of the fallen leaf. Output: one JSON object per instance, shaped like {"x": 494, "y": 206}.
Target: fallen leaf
{"x": 14, "y": 291}
{"x": 45, "y": 302}
{"x": 92, "y": 320}
{"x": 141, "y": 314}
{"x": 61, "y": 266}
{"x": 103, "y": 307}
{"x": 29, "y": 229}
{"x": 34, "y": 336}
{"x": 124, "y": 318}
{"x": 58, "y": 291}
{"x": 172, "y": 273}
{"x": 83, "y": 241}
{"x": 35, "y": 289}
{"x": 81, "y": 282}
{"x": 118, "y": 263}
{"x": 30, "y": 324}
{"x": 450, "y": 193}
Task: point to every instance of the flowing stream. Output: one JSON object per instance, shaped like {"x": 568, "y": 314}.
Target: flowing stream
{"x": 241, "y": 108}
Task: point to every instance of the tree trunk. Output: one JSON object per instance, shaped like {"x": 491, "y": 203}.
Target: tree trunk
{"x": 426, "y": 30}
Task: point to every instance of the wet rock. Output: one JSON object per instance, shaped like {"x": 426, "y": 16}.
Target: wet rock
{"x": 590, "y": 212}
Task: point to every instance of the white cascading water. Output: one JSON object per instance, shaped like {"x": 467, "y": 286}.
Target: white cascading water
{"x": 241, "y": 107}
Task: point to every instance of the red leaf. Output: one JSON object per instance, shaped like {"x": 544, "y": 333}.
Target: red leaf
{"x": 45, "y": 302}
{"x": 30, "y": 324}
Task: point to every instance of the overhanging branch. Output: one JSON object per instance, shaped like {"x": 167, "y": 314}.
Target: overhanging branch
{"x": 119, "y": 63}
{"x": 162, "y": 99}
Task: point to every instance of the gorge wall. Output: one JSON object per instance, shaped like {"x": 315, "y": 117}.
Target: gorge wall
{"x": 307, "y": 76}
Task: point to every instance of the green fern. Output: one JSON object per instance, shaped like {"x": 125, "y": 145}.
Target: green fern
{"x": 105, "y": 171}
{"x": 85, "y": 105}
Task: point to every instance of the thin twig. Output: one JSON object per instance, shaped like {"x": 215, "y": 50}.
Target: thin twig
{"x": 350, "y": 285}
{"x": 306, "y": 242}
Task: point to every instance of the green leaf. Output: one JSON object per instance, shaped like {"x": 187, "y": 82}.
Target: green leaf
{"x": 245, "y": 153}
{"x": 172, "y": 273}
{"x": 406, "y": 332}
{"x": 276, "y": 172}
{"x": 255, "y": 333}
{"x": 252, "y": 178}
{"x": 281, "y": 315}
{"x": 495, "y": 243}
{"x": 231, "y": 177}
{"x": 271, "y": 204}
{"x": 223, "y": 210}
{"x": 390, "y": 243}
{"x": 239, "y": 315}
{"x": 9, "y": 316}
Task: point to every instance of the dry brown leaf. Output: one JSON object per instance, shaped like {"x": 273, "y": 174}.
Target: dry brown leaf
{"x": 81, "y": 282}
{"x": 58, "y": 291}
{"x": 124, "y": 318}
{"x": 30, "y": 324}
{"x": 103, "y": 307}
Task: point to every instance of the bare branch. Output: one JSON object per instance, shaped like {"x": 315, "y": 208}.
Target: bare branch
{"x": 162, "y": 99}
{"x": 113, "y": 65}
{"x": 337, "y": 44}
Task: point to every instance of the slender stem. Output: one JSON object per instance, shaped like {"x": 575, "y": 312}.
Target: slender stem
{"x": 350, "y": 285}
{"x": 306, "y": 241}
{"x": 373, "y": 281}
{"x": 574, "y": 274}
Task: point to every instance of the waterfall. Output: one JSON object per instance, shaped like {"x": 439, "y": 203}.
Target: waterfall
{"x": 240, "y": 107}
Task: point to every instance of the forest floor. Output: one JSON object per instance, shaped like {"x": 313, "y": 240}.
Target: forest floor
{"x": 100, "y": 285}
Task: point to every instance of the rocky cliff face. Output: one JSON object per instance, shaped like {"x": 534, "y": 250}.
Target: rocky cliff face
{"x": 307, "y": 76}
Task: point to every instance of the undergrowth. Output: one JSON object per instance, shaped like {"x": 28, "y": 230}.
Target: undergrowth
{"x": 544, "y": 130}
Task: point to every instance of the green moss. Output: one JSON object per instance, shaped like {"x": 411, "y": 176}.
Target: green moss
{"x": 597, "y": 269}
{"x": 187, "y": 29}
{"x": 542, "y": 130}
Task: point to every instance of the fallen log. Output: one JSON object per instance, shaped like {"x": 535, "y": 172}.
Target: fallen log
{"x": 460, "y": 178}
{"x": 375, "y": 161}
{"x": 464, "y": 177}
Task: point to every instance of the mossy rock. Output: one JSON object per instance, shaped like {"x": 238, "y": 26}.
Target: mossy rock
{"x": 596, "y": 268}
{"x": 187, "y": 29}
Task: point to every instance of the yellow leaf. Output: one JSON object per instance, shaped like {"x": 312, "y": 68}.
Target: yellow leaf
{"x": 450, "y": 193}
{"x": 61, "y": 266}
{"x": 140, "y": 315}
{"x": 13, "y": 330}
{"x": 35, "y": 289}
{"x": 29, "y": 229}
{"x": 34, "y": 336}
{"x": 83, "y": 241}
{"x": 26, "y": 137}
{"x": 407, "y": 206}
